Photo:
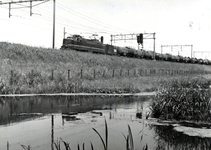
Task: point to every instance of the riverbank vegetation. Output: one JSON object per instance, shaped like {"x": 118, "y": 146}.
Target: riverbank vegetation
{"x": 185, "y": 99}
{"x": 27, "y": 69}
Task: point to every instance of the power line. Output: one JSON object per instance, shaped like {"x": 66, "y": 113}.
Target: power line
{"x": 30, "y": 1}
{"x": 89, "y": 18}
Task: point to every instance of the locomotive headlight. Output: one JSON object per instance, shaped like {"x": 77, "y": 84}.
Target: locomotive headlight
{"x": 115, "y": 50}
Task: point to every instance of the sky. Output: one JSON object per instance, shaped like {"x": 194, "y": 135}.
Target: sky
{"x": 174, "y": 22}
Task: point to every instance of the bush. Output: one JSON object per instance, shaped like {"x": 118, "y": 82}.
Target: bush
{"x": 188, "y": 99}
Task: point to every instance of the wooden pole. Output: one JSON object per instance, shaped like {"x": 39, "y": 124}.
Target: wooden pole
{"x": 52, "y": 75}
{"x": 54, "y": 14}
{"x": 52, "y": 132}
{"x": 68, "y": 74}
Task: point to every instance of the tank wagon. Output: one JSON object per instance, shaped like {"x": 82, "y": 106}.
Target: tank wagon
{"x": 77, "y": 42}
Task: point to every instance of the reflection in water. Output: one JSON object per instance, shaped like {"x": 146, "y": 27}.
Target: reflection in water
{"x": 167, "y": 138}
{"x": 45, "y": 119}
{"x": 52, "y": 132}
{"x": 22, "y": 108}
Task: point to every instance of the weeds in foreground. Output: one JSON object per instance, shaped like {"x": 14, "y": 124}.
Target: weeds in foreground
{"x": 105, "y": 143}
{"x": 183, "y": 100}
{"x": 25, "y": 147}
{"x": 129, "y": 141}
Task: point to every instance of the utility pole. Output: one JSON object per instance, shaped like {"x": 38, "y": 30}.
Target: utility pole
{"x": 17, "y": 2}
{"x": 64, "y": 33}
{"x": 54, "y": 16}
{"x": 154, "y": 45}
{"x": 30, "y": 1}
{"x": 191, "y": 53}
{"x": 30, "y": 8}
{"x": 207, "y": 53}
{"x": 9, "y": 10}
{"x": 138, "y": 36}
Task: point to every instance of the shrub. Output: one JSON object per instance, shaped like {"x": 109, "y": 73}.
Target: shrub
{"x": 188, "y": 99}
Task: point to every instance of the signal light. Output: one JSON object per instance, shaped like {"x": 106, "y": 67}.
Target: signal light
{"x": 140, "y": 39}
{"x": 101, "y": 39}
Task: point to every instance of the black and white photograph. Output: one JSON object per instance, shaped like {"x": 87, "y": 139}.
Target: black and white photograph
{"x": 105, "y": 75}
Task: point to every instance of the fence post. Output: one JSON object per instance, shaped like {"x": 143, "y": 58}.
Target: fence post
{"x": 8, "y": 146}
{"x": 81, "y": 73}
{"x": 68, "y": 74}
{"x": 128, "y": 72}
{"x": 52, "y": 75}
{"x": 145, "y": 72}
{"x": 11, "y": 77}
{"x": 103, "y": 73}
{"x": 120, "y": 72}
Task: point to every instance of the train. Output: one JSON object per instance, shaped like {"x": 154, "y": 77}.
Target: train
{"x": 93, "y": 45}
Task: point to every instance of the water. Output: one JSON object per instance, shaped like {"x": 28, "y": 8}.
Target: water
{"x": 43, "y": 120}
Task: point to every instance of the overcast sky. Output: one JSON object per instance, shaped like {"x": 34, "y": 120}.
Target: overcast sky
{"x": 175, "y": 22}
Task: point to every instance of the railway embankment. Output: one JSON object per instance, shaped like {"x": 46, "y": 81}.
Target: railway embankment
{"x": 26, "y": 69}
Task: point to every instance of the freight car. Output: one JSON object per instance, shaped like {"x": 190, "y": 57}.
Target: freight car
{"x": 77, "y": 42}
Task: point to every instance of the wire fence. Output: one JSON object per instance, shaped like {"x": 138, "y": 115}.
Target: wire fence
{"x": 121, "y": 73}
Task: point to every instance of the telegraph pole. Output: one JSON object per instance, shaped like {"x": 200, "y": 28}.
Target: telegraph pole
{"x": 191, "y": 53}
{"x": 135, "y": 36}
{"x": 64, "y": 33}
{"x": 17, "y": 2}
{"x": 9, "y": 10}
{"x": 154, "y": 45}
{"x": 30, "y": 1}
{"x": 30, "y": 8}
{"x": 54, "y": 14}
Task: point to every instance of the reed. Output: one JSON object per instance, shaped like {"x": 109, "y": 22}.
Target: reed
{"x": 129, "y": 140}
{"x": 57, "y": 145}
{"x": 67, "y": 145}
{"x": 187, "y": 99}
{"x": 105, "y": 143}
{"x": 26, "y": 147}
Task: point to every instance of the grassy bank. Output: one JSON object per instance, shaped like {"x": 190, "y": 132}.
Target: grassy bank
{"x": 26, "y": 69}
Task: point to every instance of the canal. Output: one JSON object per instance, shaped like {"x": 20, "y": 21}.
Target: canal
{"x": 41, "y": 122}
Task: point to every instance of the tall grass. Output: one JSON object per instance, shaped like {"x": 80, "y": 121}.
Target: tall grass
{"x": 22, "y": 59}
{"x": 105, "y": 143}
{"x": 129, "y": 141}
{"x": 187, "y": 99}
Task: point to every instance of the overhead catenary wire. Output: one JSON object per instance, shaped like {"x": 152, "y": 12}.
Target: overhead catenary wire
{"x": 89, "y": 18}
{"x": 61, "y": 21}
{"x": 101, "y": 28}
